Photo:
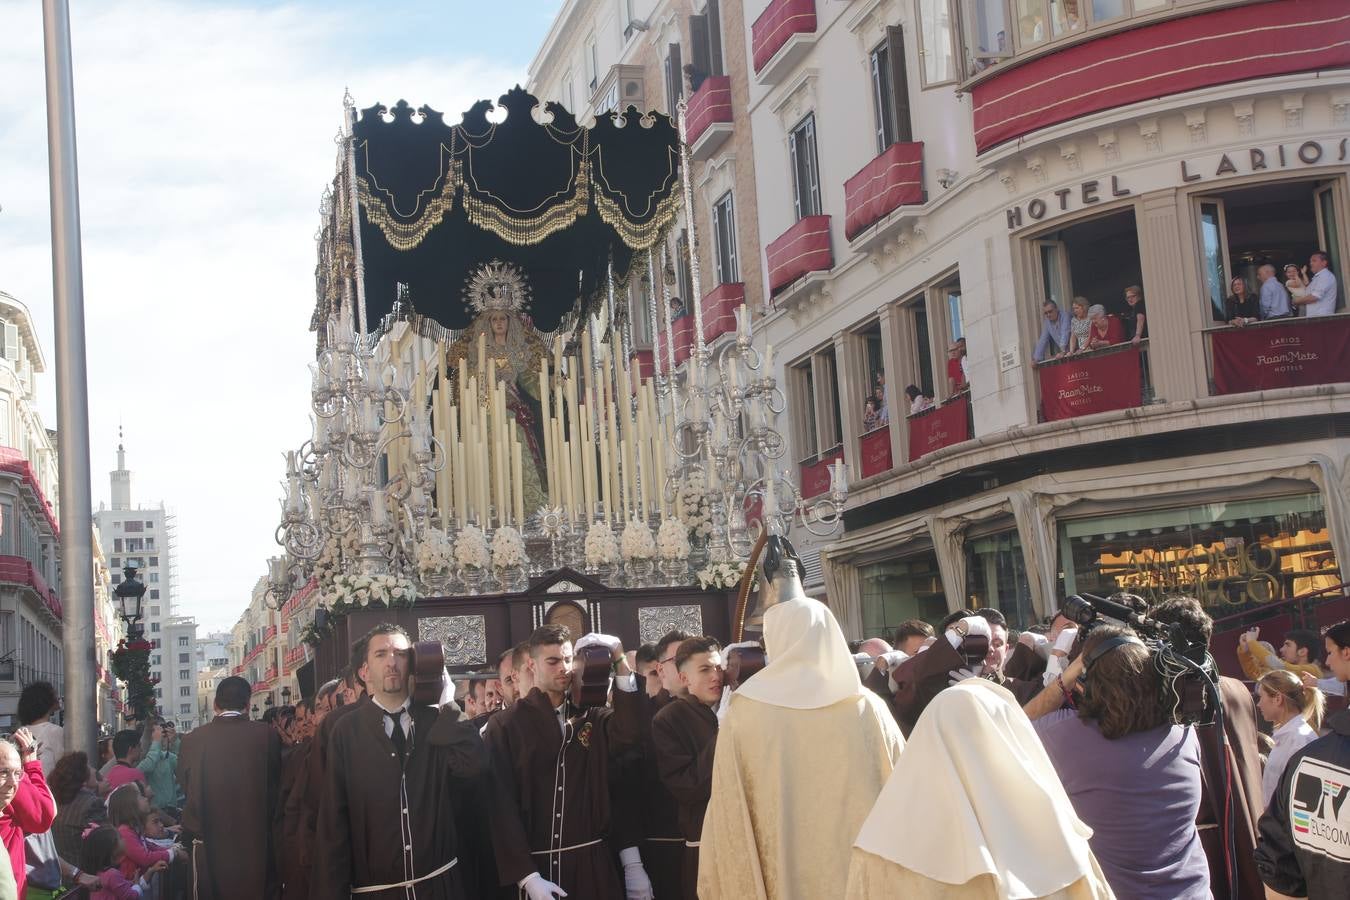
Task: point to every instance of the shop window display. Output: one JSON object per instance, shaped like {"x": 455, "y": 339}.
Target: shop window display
{"x": 1227, "y": 554}
{"x": 996, "y": 575}
{"x": 896, "y": 590}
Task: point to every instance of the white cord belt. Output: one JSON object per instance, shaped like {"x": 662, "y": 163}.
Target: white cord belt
{"x": 692, "y": 845}
{"x": 661, "y": 840}
{"x": 375, "y": 888}
{"x": 565, "y": 849}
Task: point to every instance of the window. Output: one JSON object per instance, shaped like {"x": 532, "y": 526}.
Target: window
{"x": 1096, "y": 258}
{"x": 805, "y": 171}
{"x": 1040, "y": 21}
{"x": 684, "y": 276}
{"x": 937, "y": 45}
{"x": 569, "y": 93}
{"x": 184, "y": 674}
{"x": 183, "y": 658}
{"x": 1276, "y": 224}
{"x": 154, "y": 660}
{"x": 150, "y": 545}
{"x": 185, "y": 725}
{"x": 987, "y": 39}
{"x": 592, "y": 65}
{"x": 674, "y": 79}
{"x": 890, "y": 91}
{"x": 919, "y": 359}
{"x": 117, "y": 546}
{"x": 184, "y": 709}
{"x": 815, "y": 386}
{"x": 133, "y": 527}
{"x": 153, "y": 578}
{"x": 154, "y": 560}
{"x": 185, "y": 691}
{"x": 705, "y": 41}
{"x": 183, "y": 641}
{"x": 149, "y": 524}
{"x": 159, "y": 693}
{"x": 1227, "y": 553}
{"x": 897, "y": 590}
{"x": 154, "y": 611}
{"x": 724, "y": 235}
{"x": 115, "y": 563}
{"x": 155, "y": 643}
{"x": 154, "y": 593}
{"x": 803, "y": 385}
{"x": 154, "y": 626}
{"x": 996, "y": 575}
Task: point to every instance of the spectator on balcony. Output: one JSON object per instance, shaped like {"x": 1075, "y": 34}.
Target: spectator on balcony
{"x": 917, "y": 401}
{"x": 1133, "y": 319}
{"x": 1295, "y": 283}
{"x": 1320, "y": 298}
{"x": 1079, "y": 326}
{"x": 883, "y": 408}
{"x": 885, "y": 393}
{"x": 1055, "y": 333}
{"x": 695, "y": 75}
{"x": 871, "y": 420}
{"x": 1274, "y": 298}
{"x": 1242, "y": 308}
{"x": 677, "y": 308}
{"x": 956, "y": 367}
{"x": 1105, "y": 330}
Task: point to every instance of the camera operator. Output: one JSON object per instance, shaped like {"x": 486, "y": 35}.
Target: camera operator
{"x": 1133, "y": 777}
{"x": 909, "y": 683}
{"x": 1242, "y": 760}
{"x": 1303, "y": 847}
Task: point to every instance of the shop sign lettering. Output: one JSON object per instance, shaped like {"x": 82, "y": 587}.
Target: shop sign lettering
{"x": 1089, "y": 192}
{"x": 1218, "y": 575}
{"x": 1260, "y": 159}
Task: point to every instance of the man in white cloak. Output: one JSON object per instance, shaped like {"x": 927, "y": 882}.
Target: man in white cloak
{"x": 801, "y": 755}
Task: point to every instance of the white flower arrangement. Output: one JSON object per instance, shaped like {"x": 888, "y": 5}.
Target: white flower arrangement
{"x": 696, "y": 509}
{"x": 336, "y": 549}
{"x": 637, "y": 542}
{"x": 723, "y": 576}
{"x": 435, "y": 553}
{"x": 471, "y": 549}
{"x": 601, "y": 547}
{"x": 508, "y": 548}
{"x": 672, "y": 539}
{"x": 352, "y": 591}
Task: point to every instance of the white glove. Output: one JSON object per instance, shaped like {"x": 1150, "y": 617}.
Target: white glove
{"x": 447, "y": 689}
{"x": 636, "y": 884}
{"x": 1064, "y": 643}
{"x": 1037, "y": 642}
{"x": 976, "y": 626}
{"x": 723, "y": 705}
{"x": 604, "y": 640}
{"x": 889, "y": 660}
{"x": 959, "y": 675}
{"x": 740, "y": 646}
{"x": 536, "y": 888}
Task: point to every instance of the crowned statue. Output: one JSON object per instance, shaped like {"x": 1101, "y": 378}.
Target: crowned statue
{"x": 498, "y": 295}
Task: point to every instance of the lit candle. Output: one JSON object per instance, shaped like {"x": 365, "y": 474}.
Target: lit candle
{"x": 517, "y": 472}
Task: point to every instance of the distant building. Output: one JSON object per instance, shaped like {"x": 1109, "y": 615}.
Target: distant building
{"x": 256, "y": 650}
{"x": 145, "y": 536}
{"x": 30, "y": 609}
{"x": 108, "y": 630}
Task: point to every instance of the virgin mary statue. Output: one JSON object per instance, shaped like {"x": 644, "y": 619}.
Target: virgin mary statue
{"x": 498, "y": 294}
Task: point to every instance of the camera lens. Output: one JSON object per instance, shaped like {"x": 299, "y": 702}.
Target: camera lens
{"x": 1078, "y": 610}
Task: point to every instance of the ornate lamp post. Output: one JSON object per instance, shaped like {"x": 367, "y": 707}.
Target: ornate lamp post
{"x": 286, "y": 695}
{"x": 129, "y": 594}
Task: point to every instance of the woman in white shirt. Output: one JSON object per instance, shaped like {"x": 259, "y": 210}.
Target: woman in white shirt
{"x": 1295, "y": 710}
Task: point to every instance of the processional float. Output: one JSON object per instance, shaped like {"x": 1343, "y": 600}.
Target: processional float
{"x": 483, "y": 410}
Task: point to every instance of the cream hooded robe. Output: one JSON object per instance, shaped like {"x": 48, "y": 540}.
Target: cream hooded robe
{"x": 801, "y": 756}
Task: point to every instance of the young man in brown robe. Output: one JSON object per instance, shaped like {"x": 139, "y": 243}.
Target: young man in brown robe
{"x": 229, "y": 770}
{"x": 550, "y": 762}
{"x": 349, "y": 693}
{"x": 295, "y": 739}
{"x": 685, "y": 735}
{"x": 386, "y": 823}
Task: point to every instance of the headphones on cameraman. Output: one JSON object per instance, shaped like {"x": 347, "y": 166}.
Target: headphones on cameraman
{"x": 1101, "y": 650}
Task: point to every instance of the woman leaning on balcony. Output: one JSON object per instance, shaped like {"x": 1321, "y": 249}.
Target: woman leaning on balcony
{"x": 1105, "y": 330}
{"x": 1079, "y": 326}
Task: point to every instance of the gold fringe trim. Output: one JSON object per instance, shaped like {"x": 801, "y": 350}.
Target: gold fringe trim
{"x": 405, "y": 235}
{"x": 638, "y": 236}
{"x": 525, "y": 230}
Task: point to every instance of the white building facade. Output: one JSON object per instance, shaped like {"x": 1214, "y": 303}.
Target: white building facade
{"x": 30, "y": 608}
{"x": 144, "y": 535}
{"x": 257, "y": 650}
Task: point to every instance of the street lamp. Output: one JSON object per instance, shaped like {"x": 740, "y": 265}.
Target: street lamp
{"x": 286, "y": 695}
{"x": 129, "y": 593}
{"x": 255, "y": 710}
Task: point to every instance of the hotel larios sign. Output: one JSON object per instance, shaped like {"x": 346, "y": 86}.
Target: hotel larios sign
{"x": 1234, "y": 162}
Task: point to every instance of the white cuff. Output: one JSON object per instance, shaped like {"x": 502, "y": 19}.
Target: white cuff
{"x": 626, "y": 683}
{"x": 629, "y": 856}
{"x": 527, "y": 879}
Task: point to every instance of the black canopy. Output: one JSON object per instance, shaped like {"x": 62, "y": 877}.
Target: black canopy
{"x": 558, "y": 200}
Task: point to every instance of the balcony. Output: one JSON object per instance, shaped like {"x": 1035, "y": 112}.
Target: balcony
{"x": 892, "y": 180}
{"x": 940, "y": 426}
{"x": 782, "y": 35}
{"x": 643, "y": 360}
{"x": 683, "y": 330}
{"x": 874, "y": 449}
{"x": 802, "y": 249}
{"x": 17, "y": 570}
{"x": 15, "y": 463}
{"x": 719, "y": 310}
{"x": 1279, "y": 353}
{"x": 1095, "y": 382}
{"x": 709, "y": 117}
{"x": 1186, "y": 51}
{"x": 269, "y": 634}
{"x": 815, "y": 475}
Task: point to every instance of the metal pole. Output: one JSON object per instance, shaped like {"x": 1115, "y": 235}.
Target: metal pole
{"x": 72, "y": 390}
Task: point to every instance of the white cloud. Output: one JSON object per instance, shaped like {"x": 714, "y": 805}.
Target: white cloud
{"x": 205, "y": 140}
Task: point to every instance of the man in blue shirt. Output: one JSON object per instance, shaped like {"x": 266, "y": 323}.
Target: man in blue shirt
{"x": 1274, "y": 298}
{"x": 1054, "y": 338}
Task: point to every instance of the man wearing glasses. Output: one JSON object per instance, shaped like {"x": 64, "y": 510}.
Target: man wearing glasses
{"x": 1054, "y": 339}
{"x": 26, "y": 801}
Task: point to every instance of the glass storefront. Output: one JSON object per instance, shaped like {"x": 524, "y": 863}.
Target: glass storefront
{"x": 896, "y": 590}
{"x": 996, "y": 575}
{"x": 1227, "y": 554}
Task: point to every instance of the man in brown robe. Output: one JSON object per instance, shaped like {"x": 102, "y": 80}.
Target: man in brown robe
{"x": 550, "y": 762}
{"x": 228, "y": 770}
{"x": 685, "y": 735}
{"x": 294, "y": 757}
{"x": 349, "y": 693}
{"x": 386, "y": 822}
{"x": 1240, "y": 757}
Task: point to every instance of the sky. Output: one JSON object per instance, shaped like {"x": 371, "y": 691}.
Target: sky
{"x": 205, "y": 135}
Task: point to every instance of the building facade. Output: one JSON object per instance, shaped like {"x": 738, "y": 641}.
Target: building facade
{"x": 144, "y": 535}
{"x": 256, "y": 651}
{"x": 976, "y": 159}
{"x": 109, "y": 629}
{"x": 30, "y": 608}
